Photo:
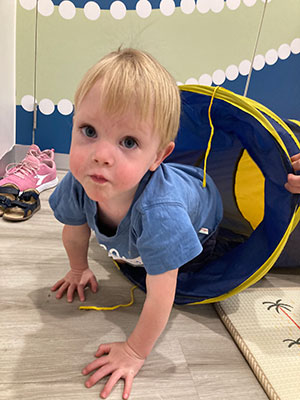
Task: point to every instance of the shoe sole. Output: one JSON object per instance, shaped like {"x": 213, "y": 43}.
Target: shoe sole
{"x": 47, "y": 185}
{"x": 16, "y": 215}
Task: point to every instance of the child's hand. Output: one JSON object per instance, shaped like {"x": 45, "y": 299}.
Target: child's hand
{"x": 293, "y": 183}
{"x": 117, "y": 359}
{"x": 75, "y": 281}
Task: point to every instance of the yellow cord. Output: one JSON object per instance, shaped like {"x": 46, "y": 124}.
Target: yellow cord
{"x": 113, "y": 307}
{"x": 211, "y": 135}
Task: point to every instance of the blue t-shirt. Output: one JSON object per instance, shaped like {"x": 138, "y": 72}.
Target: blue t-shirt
{"x": 169, "y": 220}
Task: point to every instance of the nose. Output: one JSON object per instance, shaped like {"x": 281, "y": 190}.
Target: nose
{"x": 103, "y": 153}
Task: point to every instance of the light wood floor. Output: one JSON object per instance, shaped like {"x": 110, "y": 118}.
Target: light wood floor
{"x": 44, "y": 342}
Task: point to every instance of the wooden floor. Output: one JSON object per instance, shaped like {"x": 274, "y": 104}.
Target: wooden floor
{"x": 44, "y": 342}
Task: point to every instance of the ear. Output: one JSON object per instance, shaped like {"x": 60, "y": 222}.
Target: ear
{"x": 162, "y": 154}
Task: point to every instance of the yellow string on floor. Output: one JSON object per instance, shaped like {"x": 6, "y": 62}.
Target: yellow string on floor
{"x": 113, "y": 307}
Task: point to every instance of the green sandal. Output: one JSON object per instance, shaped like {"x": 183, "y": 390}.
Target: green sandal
{"x": 8, "y": 193}
{"x": 23, "y": 208}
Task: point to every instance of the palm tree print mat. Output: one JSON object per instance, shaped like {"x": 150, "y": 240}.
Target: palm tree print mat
{"x": 265, "y": 324}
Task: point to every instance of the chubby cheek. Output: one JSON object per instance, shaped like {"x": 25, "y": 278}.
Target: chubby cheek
{"x": 77, "y": 162}
{"x": 128, "y": 176}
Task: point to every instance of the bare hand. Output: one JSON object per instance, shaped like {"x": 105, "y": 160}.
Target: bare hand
{"x": 117, "y": 359}
{"x": 75, "y": 281}
{"x": 293, "y": 183}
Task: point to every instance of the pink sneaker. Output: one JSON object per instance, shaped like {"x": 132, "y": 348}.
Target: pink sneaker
{"x": 34, "y": 151}
{"x": 32, "y": 173}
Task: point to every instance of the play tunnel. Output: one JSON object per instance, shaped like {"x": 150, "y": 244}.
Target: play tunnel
{"x": 246, "y": 149}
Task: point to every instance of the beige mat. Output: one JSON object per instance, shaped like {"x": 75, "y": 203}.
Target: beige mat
{"x": 265, "y": 324}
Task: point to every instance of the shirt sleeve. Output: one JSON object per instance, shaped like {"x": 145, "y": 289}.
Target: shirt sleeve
{"x": 166, "y": 238}
{"x": 67, "y": 201}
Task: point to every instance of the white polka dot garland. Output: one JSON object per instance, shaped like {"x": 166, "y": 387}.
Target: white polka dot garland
{"x": 143, "y": 8}
{"x": 233, "y": 4}
{"x": 65, "y": 106}
{"x": 203, "y": 6}
{"x": 187, "y": 6}
{"x": 205, "y": 79}
{"x": 218, "y": 77}
{"x": 284, "y": 51}
{"x": 92, "y": 10}
{"x": 232, "y": 72}
{"x": 45, "y": 7}
{"x": 191, "y": 81}
{"x": 244, "y": 67}
{"x": 167, "y": 7}
{"x": 271, "y": 56}
{"x": 295, "y": 46}
{"x": 259, "y": 62}
{"x": 67, "y": 9}
{"x": 27, "y": 102}
{"x": 118, "y": 10}
{"x": 249, "y": 3}
{"x": 216, "y": 5}
{"x": 46, "y": 106}
{"x": 28, "y": 4}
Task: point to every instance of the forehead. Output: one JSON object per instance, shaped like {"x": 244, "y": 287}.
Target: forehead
{"x": 99, "y": 102}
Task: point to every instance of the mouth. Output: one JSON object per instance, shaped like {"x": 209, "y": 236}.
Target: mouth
{"x": 98, "y": 179}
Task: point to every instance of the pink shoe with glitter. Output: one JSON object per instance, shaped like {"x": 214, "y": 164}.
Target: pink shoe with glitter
{"x": 36, "y": 171}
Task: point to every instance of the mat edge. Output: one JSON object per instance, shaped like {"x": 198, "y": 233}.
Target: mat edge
{"x": 258, "y": 372}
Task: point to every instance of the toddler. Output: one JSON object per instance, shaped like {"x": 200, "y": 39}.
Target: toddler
{"x": 144, "y": 212}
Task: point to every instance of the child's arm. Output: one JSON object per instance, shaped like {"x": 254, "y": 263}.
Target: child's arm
{"x": 76, "y": 242}
{"x": 156, "y": 311}
{"x": 124, "y": 360}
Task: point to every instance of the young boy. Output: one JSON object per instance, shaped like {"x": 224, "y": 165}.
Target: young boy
{"x": 127, "y": 111}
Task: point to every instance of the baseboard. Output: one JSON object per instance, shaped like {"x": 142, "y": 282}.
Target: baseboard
{"x": 62, "y": 161}
{"x": 18, "y": 152}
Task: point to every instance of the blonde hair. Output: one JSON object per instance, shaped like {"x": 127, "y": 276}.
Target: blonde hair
{"x": 131, "y": 77}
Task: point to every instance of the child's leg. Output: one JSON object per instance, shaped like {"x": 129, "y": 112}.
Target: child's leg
{"x": 205, "y": 256}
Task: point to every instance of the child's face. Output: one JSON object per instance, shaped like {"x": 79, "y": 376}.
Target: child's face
{"x": 110, "y": 154}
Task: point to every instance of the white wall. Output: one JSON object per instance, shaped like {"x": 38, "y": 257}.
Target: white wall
{"x": 7, "y": 75}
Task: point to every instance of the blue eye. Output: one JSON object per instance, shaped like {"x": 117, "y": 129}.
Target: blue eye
{"x": 129, "y": 143}
{"x": 89, "y": 131}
